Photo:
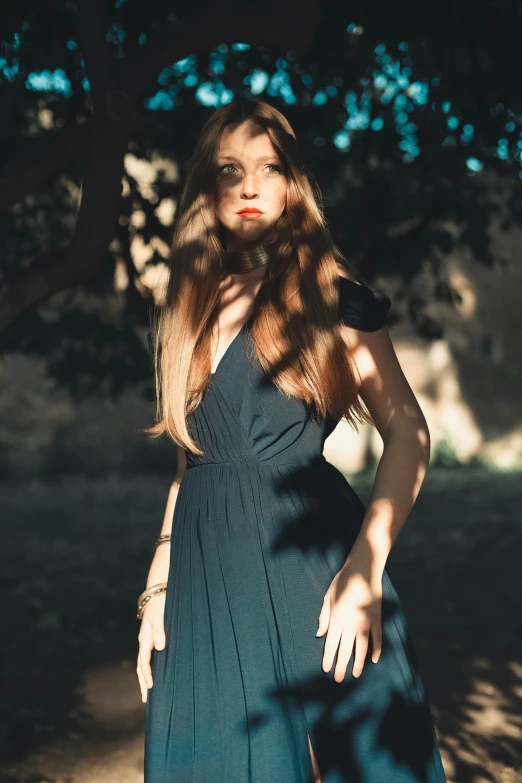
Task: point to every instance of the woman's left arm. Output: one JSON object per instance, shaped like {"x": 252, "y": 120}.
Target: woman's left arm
{"x": 352, "y": 607}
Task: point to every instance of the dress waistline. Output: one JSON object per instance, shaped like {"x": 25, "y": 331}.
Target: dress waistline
{"x": 257, "y": 464}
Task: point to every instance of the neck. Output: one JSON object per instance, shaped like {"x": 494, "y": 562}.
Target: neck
{"x": 242, "y": 256}
{"x": 242, "y": 261}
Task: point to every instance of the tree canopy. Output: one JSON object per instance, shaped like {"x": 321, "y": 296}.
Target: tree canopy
{"x": 400, "y": 119}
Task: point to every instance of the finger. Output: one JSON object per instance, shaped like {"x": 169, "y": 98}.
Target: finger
{"x": 343, "y": 656}
{"x": 143, "y": 685}
{"x": 145, "y": 648}
{"x": 144, "y": 661}
{"x": 324, "y": 616}
{"x": 376, "y": 641}
{"x": 146, "y": 671}
{"x": 361, "y": 648}
{"x": 330, "y": 646}
{"x": 159, "y": 639}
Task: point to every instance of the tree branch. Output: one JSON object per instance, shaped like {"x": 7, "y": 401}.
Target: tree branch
{"x": 93, "y": 27}
{"x": 78, "y": 263}
{"x": 17, "y": 181}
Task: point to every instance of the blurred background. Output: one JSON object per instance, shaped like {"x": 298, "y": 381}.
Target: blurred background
{"x": 410, "y": 120}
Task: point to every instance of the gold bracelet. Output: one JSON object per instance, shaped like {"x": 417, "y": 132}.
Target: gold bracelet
{"x": 163, "y": 539}
{"x": 146, "y": 601}
{"x": 151, "y": 589}
{"x": 147, "y": 595}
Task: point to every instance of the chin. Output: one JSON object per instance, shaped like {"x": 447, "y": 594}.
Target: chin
{"x": 251, "y": 229}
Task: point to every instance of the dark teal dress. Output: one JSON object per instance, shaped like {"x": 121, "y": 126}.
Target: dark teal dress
{"x": 262, "y": 524}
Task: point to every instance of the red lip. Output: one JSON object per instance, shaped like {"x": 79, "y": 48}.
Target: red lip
{"x": 250, "y": 211}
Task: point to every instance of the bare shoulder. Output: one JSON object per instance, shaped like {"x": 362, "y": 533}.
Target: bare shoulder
{"x": 368, "y": 347}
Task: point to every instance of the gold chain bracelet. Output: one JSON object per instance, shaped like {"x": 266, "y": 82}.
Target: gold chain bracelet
{"x": 147, "y": 595}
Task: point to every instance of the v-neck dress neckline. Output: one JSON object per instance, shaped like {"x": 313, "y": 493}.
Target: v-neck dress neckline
{"x": 231, "y": 343}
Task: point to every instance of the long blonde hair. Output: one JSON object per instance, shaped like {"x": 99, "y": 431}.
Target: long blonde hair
{"x": 295, "y": 329}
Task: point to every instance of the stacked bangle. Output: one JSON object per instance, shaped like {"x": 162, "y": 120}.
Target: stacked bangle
{"x": 147, "y": 596}
{"x": 154, "y": 590}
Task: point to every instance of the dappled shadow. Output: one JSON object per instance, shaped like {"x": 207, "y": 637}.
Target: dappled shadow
{"x": 472, "y": 675}
{"x": 341, "y": 744}
{"x": 381, "y": 720}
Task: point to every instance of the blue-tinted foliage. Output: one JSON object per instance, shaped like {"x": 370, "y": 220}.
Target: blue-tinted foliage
{"x": 474, "y": 164}
{"x": 386, "y": 93}
{"x": 50, "y": 81}
{"x": 342, "y": 140}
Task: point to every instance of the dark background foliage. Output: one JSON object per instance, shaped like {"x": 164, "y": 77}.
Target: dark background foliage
{"x": 401, "y": 111}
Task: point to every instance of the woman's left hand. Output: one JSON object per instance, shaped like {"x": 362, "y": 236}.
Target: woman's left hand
{"x": 351, "y": 611}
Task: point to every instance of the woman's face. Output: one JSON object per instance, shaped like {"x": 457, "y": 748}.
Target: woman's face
{"x": 250, "y": 177}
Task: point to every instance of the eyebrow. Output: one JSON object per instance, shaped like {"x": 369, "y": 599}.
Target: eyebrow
{"x": 273, "y": 156}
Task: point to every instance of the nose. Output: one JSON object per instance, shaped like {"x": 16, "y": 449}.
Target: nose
{"x": 249, "y": 188}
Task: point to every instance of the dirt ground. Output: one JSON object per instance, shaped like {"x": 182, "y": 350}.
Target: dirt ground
{"x": 75, "y": 555}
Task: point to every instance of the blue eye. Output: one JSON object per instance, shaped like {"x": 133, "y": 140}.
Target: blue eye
{"x": 224, "y": 167}
{"x": 275, "y": 166}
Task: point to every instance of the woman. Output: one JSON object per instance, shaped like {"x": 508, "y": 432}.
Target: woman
{"x": 272, "y": 644}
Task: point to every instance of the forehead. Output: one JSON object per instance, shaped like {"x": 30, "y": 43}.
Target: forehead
{"x": 246, "y": 140}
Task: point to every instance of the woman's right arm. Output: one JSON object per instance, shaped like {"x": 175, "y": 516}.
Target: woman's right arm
{"x": 152, "y": 633}
{"x": 159, "y": 569}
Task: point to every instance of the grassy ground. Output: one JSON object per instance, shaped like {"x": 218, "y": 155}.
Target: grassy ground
{"x": 75, "y": 555}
